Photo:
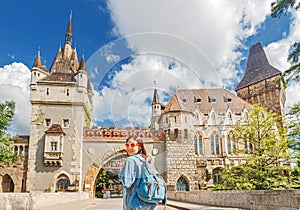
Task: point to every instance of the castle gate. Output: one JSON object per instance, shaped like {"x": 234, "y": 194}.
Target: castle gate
{"x": 108, "y": 154}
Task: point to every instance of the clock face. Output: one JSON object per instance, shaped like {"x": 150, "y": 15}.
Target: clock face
{"x": 154, "y": 151}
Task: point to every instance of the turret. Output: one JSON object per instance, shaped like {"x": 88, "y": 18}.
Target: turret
{"x": 38, "y": 71}
{"x": 157, "y": 108}
{"x": 82, "y": 77}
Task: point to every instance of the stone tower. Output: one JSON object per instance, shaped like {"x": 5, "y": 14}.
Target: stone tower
{"x": 61, "y": 100}
{"x": 261, "y": 82}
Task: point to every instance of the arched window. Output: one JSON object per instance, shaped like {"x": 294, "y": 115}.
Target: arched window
{"x": 230, "y": 143}
{"x": 7, "y": 184}
{"x": 230, "y": 117}
{"x": 182, "y": 184}
{"x": 198, "y": 143}
{"x": 213, "y": 118}
{"x": 217, "y": 176}
{"x": 62, "y": 183}
{"x": 215, "y": 144}
{"x": 21, "y": 150}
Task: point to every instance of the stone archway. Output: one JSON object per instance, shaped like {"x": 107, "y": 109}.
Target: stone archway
{"x": 7, "y": 184}
{"x": 110, "y": 160}
{"x": 62, "y": 183}
{"x": 182, "y": 184}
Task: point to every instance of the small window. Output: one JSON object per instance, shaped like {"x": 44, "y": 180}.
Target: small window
{"x": 47, "y": 91}
{"x": 176, "y": 134}
{"x": 53, "y": 146}
{"x": 197, "y": 99}
{"x": 47, "y": 121}
{"x": 34, "y": 73}
{"x": 211, "y": 99}
{"x": 185, "y": 133}
{"x": 68, "y": 93}
{"x": 66, "y": 122}
{"x": 227, "y": 100}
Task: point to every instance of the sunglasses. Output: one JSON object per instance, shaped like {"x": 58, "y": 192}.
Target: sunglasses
{"x": 132, "y": 145}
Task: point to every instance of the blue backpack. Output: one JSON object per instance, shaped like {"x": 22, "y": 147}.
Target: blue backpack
{"x": 152, "y": 187}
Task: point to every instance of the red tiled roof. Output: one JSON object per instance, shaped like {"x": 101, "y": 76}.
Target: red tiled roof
{"x": 55, "y": 128}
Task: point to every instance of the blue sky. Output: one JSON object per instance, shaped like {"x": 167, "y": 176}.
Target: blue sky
{"x": 129, "y": 44}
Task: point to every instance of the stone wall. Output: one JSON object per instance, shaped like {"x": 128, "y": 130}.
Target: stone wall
{"x": 37, "y": 200}
{"x": 254, "y": 200}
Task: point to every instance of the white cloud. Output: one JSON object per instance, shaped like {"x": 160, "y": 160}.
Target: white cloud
{"x": 199, "y": 39}
{"x": 212, "y": 29}
{"x": 111, "y": 58}
{"x": 14, "y": 85}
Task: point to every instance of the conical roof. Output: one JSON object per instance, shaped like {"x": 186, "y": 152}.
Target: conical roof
{"x": 258, "y": 67}
{"x": 37, "y": 63}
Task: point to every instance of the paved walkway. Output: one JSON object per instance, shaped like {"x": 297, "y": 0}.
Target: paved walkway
{"x": 116, "y": 204}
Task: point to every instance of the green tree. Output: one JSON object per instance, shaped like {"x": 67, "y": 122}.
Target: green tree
{"x": 293, "y": 119}
{"x": 102, "y": 182}
{"x": 7, "y": 156}
{"x": 264, "y": 145}
{"x": 279, "y": 8}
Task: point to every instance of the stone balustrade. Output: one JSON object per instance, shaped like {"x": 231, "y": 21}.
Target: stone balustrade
{"x": 254, "y": 200}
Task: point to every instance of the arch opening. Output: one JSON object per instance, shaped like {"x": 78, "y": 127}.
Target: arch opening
{"x": 182, "y": 184}
{"x": 7, "y": 184}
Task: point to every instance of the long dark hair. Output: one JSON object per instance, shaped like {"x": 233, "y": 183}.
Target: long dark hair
{"x": 139, "y": 140}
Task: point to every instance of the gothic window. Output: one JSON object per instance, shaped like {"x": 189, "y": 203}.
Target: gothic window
{"x": 7, "y": 184}
{"x": 212, "y": 145}
{"x": 215, "y": 144}
{"x": 230, "y": 143}
{"x": 182, "y": 184}
{"x": 217, "y": 176}
{"x": 198, "y": 143}
{"x": 230, "y": 116}
{"x": 62, "y": 183}
{"x": 213, "y": 118}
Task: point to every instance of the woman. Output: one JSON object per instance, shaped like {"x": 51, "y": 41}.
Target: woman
{"x": 130, "y": 175}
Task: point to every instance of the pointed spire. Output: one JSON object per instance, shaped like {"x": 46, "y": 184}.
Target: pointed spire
{"x": 69, "y": 31}
{"x": 155, "y": 95}
{"x": 37, "y": 63}
{"x": 82, "y": 64}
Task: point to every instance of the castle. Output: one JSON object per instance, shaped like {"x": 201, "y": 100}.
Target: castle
{"x": 190, "y": 139}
